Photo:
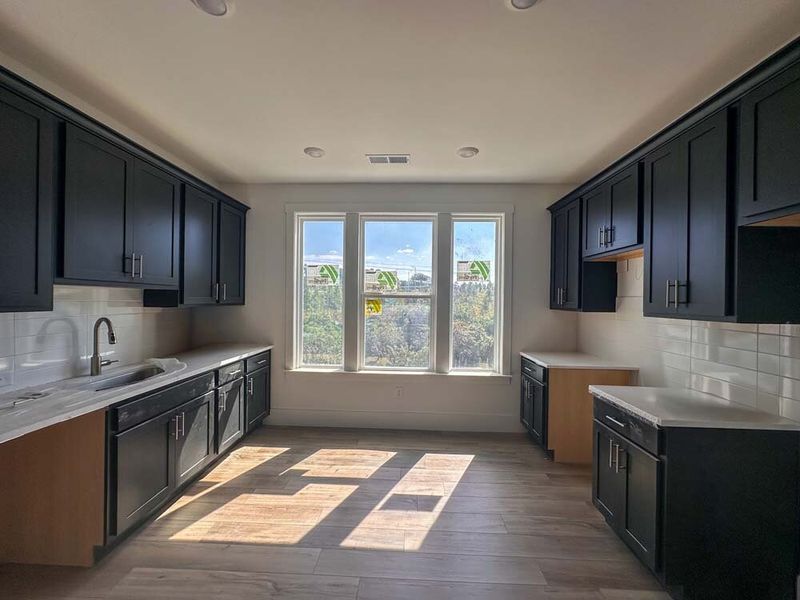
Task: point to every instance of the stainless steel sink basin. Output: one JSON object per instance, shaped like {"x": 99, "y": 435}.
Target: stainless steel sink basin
{"x": 128, "y": 378}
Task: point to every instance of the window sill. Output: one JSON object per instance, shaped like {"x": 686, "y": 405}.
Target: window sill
{"x": 399, "y": 376}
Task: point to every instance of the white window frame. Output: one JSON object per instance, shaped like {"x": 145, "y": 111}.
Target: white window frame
{"x": 365, "y": 218}
{"x": 442, "y": 251}
{"x": 498, "y": 291}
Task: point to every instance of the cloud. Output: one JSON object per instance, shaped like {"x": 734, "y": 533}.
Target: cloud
{"x": 406, "y": 250}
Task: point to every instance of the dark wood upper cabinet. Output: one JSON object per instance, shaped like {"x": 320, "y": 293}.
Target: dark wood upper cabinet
{"x": 154, "y": 217}
{"x": 200, "y": 227}
{"x": 769, "y": 148}
{"x": 612, "y": 214}
{"x": 688, "y": 236}
{"x": 98, "y": 179}
{"x": 27, "y": 203}
{"x": 231, "y": 254}
{"x": 565, "y": 256}
{"x": 121, "y": 215}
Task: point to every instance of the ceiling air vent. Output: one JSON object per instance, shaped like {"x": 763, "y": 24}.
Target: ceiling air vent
{"x": 388, "y": 159}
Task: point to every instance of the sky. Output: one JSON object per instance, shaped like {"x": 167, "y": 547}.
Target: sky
{"x": 405, "y": 246}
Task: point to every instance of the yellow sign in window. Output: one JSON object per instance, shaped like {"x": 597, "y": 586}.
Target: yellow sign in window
{"x": 373, "y": 307}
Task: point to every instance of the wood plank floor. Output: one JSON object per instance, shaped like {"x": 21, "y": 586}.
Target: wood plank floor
{"x": 300, "y": 513}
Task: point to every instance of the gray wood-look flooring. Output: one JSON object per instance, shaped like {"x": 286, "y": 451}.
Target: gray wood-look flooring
{"x": 301, "y": 513}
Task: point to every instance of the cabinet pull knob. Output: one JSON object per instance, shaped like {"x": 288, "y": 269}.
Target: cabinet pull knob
{"x": 613, "y": 420}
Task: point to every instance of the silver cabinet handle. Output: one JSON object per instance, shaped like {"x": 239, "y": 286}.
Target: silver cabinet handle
{"x": 224, "y": 291}
{"x": 667, "y": 300}
{"x": 600, "y": 237}
{"x": 610, "y": 454}
{"x": 250, "y": 386}
{"x": 222, "y": 397}
{"x": 177, "y": 431}
{"x": 216, "y": 292}
{"x": 234, "y": 373}
{"x": 613, "y": 420}
{"x": 261, "y": 362}
{"x": 616, "y": 459}
{"x": 141, "y": 266}
{"x": 133, "y": 264}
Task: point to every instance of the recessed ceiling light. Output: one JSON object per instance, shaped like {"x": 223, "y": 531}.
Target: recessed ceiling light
{"x": 314, "y": 152}
{"x": 521, "y": 4}
{"x": 467, "y": 151}
{"x": 215, "y": 8}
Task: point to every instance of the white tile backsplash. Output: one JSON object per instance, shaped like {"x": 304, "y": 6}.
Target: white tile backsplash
{"x": 757, "y": 365}
{"x": 39, "y": 347}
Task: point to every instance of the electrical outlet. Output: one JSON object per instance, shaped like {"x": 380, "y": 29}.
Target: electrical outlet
{"x": 398, "y": 391}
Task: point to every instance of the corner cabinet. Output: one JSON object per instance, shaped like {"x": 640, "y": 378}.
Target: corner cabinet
{"x": 213, "y": 250}
{"x": 612, "y": 214}
{"x": 121, "y": 216}
{"x": 27, "y": 202}
{"x": 688, "y": 224}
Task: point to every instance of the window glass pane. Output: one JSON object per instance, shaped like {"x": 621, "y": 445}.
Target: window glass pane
{"x": 474, "y": 309}
{"x": 397, "y": 332}
{"x": 398, "y": 257}
{"x": 322, "y": 276}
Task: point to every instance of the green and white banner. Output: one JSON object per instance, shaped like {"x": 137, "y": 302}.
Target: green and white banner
{"x": 378, "y": 280}
{"x": 473, "y": 270}
{"x": 322, "y": 274}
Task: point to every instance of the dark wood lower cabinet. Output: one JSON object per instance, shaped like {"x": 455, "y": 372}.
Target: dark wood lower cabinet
{"x": 257, "y": 398}
{"x": 159, "y": 443}
{"x": 711, "y": 512}
{"x": 230, "y": 414}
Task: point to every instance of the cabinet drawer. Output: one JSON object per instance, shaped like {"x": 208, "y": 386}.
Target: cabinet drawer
{"x": 531, "y": 369}
{"x": 628, "y": 426}
{"x": 140, "y": 410}
{"x": 259, "y": 361}
{"x": 230, "y": 372}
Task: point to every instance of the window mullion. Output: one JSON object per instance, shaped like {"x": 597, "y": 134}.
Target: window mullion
{"x": 444, "y": 274}
{"x": 352, "y": 296}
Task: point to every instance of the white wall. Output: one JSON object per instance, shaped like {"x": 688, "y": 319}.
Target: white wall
{"x": 428, "y": 402}
{"x": 39, "y": 347}
{"x": 757, "y": 365}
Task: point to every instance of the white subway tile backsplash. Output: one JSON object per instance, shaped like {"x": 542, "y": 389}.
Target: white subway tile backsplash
{"x": 756, "y": 365}
{"x": 39, "y": 347}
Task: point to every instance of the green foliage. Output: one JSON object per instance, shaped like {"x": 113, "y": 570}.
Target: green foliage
{"x": 400, "y": 335}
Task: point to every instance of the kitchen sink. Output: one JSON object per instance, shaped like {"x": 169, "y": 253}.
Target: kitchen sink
{"x": 129, "y": 377}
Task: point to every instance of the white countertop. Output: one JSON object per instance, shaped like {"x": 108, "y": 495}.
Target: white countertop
{"x": 573, "y": 360}
{"x": 69, "y": 398}
{"x": 679, "y": 407}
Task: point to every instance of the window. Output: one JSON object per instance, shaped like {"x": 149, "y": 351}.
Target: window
{"x": 321, "y": 314}
{"x": 415, "y": 291}
{"x": 397, "y": 293}
{"x": 474, "y": 313}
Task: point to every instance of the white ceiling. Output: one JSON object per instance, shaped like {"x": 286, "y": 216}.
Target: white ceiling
{"x": 551, "y": 94}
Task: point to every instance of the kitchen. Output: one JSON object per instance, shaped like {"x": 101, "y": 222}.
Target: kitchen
{"x": 264, "y": 337}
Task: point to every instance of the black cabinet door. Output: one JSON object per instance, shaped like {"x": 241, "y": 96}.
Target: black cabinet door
{"x": 98, "y": 183}
{"x": 704, "y": 282}
{"x": 608, "y": 482}
{"x": 26, "y": 202}
{"x": 200, "y": 233}
{"x": 624, "y": 201}
{"x": 596, "y": 209}
{"x": 143, "y": 460}
{"x": 664, "y": 227}
{"x": 769, "y": 146}
{"x": 526, "y": 403}
{"x": 231, "y": 254}
{"x": 570, "y": 295}
{"x": 195, "y": 440}
{"x": 230, "y": 414}
{"x": 539, "y": 413}
{"x": 639, "y": 525}
{"x": 154, "y": 216}
{"x": 558, "y": 268}
{"x": 257, "y": 398}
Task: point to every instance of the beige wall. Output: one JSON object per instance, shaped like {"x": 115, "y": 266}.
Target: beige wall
{"x": 431, "y": 402}
{"x": 758, "y": 365}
